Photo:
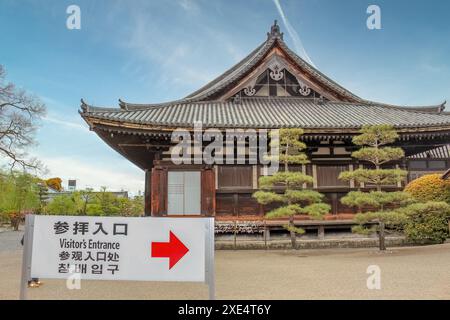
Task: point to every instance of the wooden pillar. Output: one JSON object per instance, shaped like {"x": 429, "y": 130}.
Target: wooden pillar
{"x": 235, "y": 204}
{"x": 266, "y": 234}
{"x": 208, "y": 202}
{"x": 148, "y": 193}
{"x": 314, "y": 174}
{"x": 405, "y": 166}
{"x": 255, "y": 177}
{"x": 159, "y": 191}
{"x": 362, "y": 184}
{"x": 304, "y": 172}
{"x": 261, "y": 209}
{"x": 334, "y": 203}
{"x": 399, "y": 183}
{"x": 352, "y": 181}
{"x": 216, "y": 176}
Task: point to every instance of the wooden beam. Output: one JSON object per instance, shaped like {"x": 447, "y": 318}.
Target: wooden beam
{"x": 144, "y": 145}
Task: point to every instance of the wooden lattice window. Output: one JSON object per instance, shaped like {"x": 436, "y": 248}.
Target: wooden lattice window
{"x": 235, "y": 177}
{"x": 327, "y": 175}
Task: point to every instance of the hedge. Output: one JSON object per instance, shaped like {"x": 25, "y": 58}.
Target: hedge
{"x": 426, "y": 222}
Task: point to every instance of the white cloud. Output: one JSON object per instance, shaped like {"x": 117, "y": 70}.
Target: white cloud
{"x": 293, "y": 34}
{"x": 163, "y": 55}
{"x": 59, "y": 118}
{"x": 169, "y": 55}
{"x": 118, "y": 174}
{"x": 189, "y": 5}
{"x": 95, "y": 175}
{"x": 66, "y": 124}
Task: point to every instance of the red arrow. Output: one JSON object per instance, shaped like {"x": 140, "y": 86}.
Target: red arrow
{"x": 174, "y": 250}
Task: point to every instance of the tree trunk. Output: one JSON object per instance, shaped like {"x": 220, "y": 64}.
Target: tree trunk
{"x": 15, "y": 222}
{"x": 378, "y": 167}
{"x": 292, "y": 232}
{"x": 381, "y": 236}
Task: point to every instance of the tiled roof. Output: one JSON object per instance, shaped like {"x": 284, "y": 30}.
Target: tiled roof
{"x": 439, "y": 152}
{"x": 273, "y": 112}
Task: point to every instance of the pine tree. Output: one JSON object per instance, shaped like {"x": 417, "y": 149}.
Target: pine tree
{"x": 374, "y": 150}
{"x": 296, "y": 200}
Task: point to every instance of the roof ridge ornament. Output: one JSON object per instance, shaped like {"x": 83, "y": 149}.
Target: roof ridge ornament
{"x": 275, "y": 31}
{"x": 123, "y": 105}
{"x": 237, "y": 99}
{"x": 442, "y": 106}
{"x": 84, "y": 106}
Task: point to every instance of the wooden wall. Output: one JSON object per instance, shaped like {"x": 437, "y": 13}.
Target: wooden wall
{"x": 231, "y": 194}
{"x": 235, "y": 177}
{"x": 236, "y": 204}
{"x": 235, "y": 188}
{"x": 420, "y": 167}
{"x": 327, "y": 175}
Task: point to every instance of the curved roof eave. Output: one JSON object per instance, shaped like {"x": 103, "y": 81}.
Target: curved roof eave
{"x": 115, "y": 125}
{"x": 281, "y": 112}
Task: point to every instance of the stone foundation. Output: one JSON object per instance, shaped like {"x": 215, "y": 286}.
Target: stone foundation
{"x": 309, "y": 244}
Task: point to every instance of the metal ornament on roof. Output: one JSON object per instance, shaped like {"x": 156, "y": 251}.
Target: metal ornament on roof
{"x": 275, "y": 31}
{"x": 250, "y": 91}
{"x": 276, "y": 74}
{"x": 304, "y": 89}
{"x": 276, "y": 66}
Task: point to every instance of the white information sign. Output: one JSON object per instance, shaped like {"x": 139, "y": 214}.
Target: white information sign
{"x": 118, "y": 248}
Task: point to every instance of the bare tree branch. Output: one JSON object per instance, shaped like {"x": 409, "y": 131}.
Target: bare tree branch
{"x": 20, "y": 113}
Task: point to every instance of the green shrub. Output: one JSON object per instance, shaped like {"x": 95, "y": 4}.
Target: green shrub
{"x": 427, "y": 222}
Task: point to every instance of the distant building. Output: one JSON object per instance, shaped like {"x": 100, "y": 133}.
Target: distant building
{"x": 72, "y": 185}
{"x": 53, "y": 193}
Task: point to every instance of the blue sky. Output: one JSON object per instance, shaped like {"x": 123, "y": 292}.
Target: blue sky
{"x": 154, "y": 51}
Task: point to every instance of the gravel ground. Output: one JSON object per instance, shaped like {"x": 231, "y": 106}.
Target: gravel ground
{"x": 406, "y": 273}
{"x": 10, "y": 240}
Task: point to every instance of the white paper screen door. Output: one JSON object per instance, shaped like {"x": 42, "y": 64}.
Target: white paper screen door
{"x": 183, "y": 193}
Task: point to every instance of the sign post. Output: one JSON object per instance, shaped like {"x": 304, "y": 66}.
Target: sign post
{"x": 119, "y": 248}
{"x": 26, "y": 255}
{"x": 210, "y": 270}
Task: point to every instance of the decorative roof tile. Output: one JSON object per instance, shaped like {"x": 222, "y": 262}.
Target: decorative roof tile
{"x": 273, "y": 112}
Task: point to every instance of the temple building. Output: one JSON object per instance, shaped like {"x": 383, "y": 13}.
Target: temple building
{"x": 270, "y": 88}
